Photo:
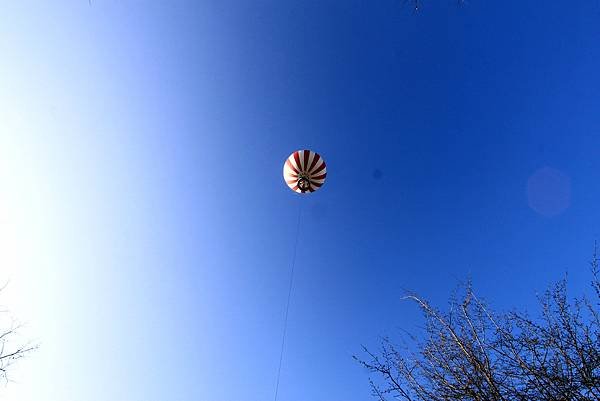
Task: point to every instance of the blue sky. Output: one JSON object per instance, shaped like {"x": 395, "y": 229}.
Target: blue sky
{"x": 147, "y": 232}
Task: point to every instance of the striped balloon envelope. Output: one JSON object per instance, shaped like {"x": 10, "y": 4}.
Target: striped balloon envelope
{"x": 304, "y": 171}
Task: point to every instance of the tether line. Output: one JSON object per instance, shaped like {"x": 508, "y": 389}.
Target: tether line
{"x": 287, "y": 308}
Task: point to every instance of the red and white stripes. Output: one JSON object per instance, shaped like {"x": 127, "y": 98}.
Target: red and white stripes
{"x": 304, "y": 171}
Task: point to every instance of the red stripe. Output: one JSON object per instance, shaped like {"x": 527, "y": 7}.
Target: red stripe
{"x": 306, "y": 156}
{"x": 290, "y": 165}
{"x": 316, "y": 184}
{"x": 297, "y": 158}
{"x": 314, "y": 162}
{"x": 319, "y": 177}
{"x": 321, "y": 167}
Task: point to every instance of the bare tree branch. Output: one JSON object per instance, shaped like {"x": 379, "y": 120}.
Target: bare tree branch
{"x": 473, "y": 354}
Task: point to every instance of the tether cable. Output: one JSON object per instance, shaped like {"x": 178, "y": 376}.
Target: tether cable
{"x": 287, "y": 307}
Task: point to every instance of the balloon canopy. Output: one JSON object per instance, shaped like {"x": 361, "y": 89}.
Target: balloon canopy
{"x": 304, "y": 171}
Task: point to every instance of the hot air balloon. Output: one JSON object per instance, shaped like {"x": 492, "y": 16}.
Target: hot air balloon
{"x": 304, "y": 171}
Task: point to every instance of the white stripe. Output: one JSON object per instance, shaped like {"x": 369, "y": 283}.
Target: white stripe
{"x": 310, "y": 159}
{"x": 293, "y": 162}
{"x": 287, "y": 170}
{"x": 287, "y": 174}
{"x": 302, "y": 160}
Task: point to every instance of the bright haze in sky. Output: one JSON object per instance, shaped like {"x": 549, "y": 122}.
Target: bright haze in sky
{"x": 146, "y": 232}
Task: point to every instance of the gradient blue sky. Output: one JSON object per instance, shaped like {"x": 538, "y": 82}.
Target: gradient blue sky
{"x": 145, "y": 226}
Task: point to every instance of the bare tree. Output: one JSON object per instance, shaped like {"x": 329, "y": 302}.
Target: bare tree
{"x": 470, "y": 353}
{"x": 12, "y": 347}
